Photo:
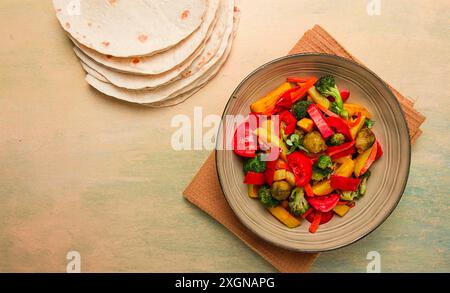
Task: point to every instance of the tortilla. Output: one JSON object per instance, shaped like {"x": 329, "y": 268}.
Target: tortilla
{"x": 175, "y": 60}
{"x": 161, "y": 93}
{"x": 189, "y": 91}
{"x": 138, "y": 82}
{"x": 130, "y": 28}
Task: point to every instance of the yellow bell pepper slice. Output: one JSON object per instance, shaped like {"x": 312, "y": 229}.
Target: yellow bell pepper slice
{"x": 279, "y": 175}
{"x": 267, "y": 137}
{"x": 284, "y": 150}
{"x": 367, "y": 157}
{"x": 290, "y": 178}
{"x": 354, "y": 109}
{"x": 346, "y": 169}
{"x": 252, "y": 190}
{"x": 266, "y": 103}
{"x": 341, "y": 210}
{"x": 355, "y": 129}
{"x": 306, "y": 124}
{"x": 322, "y": 188}
{"x": 284, "y": 217}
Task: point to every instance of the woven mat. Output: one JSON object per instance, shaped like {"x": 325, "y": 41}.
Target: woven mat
{"x": 205, "y": 192}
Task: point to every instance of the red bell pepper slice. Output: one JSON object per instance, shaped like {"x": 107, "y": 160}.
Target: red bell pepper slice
{"x": 308, "y": 212}
{"x": 316, "y": 222}
{"x": 294, "y": 79}
{"x": 270, "y": 171}
{"x": 290, "y": 122}
{"x": 319, "y": 120}
{"x": 304, "y": 89}
{"x": 326, "y": 111}
{"x": 301, "y": 166}
{"x": 245, "y": 141}
{"x": 324, "y": 203}
{"x": 340, "y": 148}
{"x": 254, "y": 178}
{"x": 285, "y": 100}
{"x": 372, "y": 157}
{"x": 326, "y": 217}
{"x": 379, "y": 151}
{"x": 345, "y": 94}
{"x": 308, "y": 190}
{"x": 340, "y": 126}
{"x": 344, "y": 183}
{"x": 345, "y": 153}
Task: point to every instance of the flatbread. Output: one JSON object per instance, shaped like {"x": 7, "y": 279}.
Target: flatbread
{"x": 189, "y": 91}
{"x": 151, "y": 81}
{"x": 161, "y": 93}
{"x": 172, "y": 61}
{"x": 128, "y": 28}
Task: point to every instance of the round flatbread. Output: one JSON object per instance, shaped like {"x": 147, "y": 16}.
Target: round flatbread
{"x": 161, "y": 93}
{"x": 174, "y": 60}
{"x": 190, "y": 90}
{"x": 128, "y": 28}
{"x": 138, "y": 82}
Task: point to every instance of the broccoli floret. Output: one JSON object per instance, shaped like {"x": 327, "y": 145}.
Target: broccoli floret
{"x": 369, "y": 123}
{"x": 265, "y": 197}
{"x": 255, "y": 165}
{"x": 324, "y": 162}
{"x": 297, "y": 202}
{"x": 300, "y": 108}
{"x": 320, "y": 174}
{"x": 336, "y": 139}
{"x": 349, "y": 195}
{"x": 322, "y": 168}
{"x": 326, "y": 86}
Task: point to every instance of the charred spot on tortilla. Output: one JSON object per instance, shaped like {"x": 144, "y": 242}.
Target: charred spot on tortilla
{"x": 136, "y": 61}
{"x": 185, "y": 14}
{"x": 142, "y": 38}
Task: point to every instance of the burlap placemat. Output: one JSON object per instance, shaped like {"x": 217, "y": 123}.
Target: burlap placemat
{"x": 205, "y": 192}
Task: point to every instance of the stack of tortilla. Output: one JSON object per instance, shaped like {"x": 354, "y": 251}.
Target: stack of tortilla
{"x": 151, "y": 52}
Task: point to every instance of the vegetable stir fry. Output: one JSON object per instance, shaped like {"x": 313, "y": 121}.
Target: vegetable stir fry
{"x": 323, "y": 151}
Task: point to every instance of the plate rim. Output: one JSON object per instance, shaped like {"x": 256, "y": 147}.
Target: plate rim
{"x": 389, "y": 91}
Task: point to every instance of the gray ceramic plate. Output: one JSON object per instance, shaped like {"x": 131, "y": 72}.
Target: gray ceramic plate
{"x": 389, "y": 174}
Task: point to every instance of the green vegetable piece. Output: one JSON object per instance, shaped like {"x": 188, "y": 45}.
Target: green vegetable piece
{"x": 281, "y": 190}
{"x": 369, "y": 123}
{"x": 336, "y": 139}
{"x": 324, "y": 162}
{"x": 326, "y": 86}
{"x": 265, "y": 197}
{"x": 314, "y": 142}
{"x": 364, "y": 140}
{"x": 297, "y": 202}
{"x": 300, "y": 108}
{"x": 321, "y": 174}
{"x": 255, "y": 165}
{"x": 363, "y": 185}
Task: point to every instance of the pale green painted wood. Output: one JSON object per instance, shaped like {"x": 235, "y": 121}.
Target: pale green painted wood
{"x": 82, "y": 172}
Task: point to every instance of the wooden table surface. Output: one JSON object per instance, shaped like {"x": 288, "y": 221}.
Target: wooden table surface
{"x": 80, "y": 171}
